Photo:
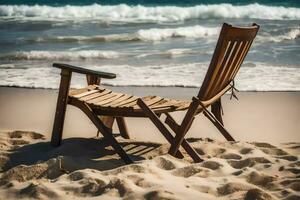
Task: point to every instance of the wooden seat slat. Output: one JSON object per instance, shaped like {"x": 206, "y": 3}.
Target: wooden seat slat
{"x": 130, "y": 100}
{"x": 74, "y": 92}
{"x": 102, "y": 98}
{"x": 86, "y": 93}
{"x": 102, "y": 103}
{"x": 116, "y": 101}
{"x": 94, "y": 95}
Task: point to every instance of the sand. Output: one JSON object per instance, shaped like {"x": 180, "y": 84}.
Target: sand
{"x": 272, "y": 117}
{"x": 86, "y": 168}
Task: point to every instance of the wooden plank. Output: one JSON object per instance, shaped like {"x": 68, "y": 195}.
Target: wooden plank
{"x": 81, "y": 90}
{"x": 156, "y": 121}
{"x": 169, "y": 103}
{"x": 86, "y": 93}
{"x": 93, "y": 79}
{"x": 61, "y": 106}
{"x": 94, "y": 96}
{"x": 119, "y": 100}
{"x": 102, "y": 103}
{"x": 104, "y": 130}
{"x": 122, "y": 127}
{"x": 101, "y": 98}
{"x": 149, "y": 99}
{"x": 131, "y": 99}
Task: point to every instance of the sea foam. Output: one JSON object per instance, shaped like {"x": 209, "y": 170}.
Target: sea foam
{"x": 158, "y": 34}
{"x": 252, "y": 76}
{"x": 146, "y": 35}
{"x": 60, "y": 55}
{"x": 136, "y": 14}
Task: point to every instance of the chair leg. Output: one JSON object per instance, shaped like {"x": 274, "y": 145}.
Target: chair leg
{"x": 219, "y": 126}
{"x": 184, "y": 127}
{"x": 158, "y": 123}
{"x": 122, "y": 127}
{"x": 61, "y": 106}
{"x": 107, "y": 133}
{"x": 108, "y": 121}
{"x": 216, "y": 109}
{"x": 215, "y": 121}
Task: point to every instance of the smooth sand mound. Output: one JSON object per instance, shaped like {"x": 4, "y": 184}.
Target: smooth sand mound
{"x": 88, "y": 168}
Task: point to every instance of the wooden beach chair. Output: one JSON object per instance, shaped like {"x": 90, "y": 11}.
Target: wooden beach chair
{"x": 103, "y": 106}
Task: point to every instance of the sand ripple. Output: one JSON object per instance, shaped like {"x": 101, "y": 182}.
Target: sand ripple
{"x": 31, "y": 168}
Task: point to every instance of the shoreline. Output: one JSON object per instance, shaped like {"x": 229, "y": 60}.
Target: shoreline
{"x": 146, "y": 86}
{"x": 257, "y": 116}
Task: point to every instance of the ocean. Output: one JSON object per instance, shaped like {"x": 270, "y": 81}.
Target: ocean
{"x": 145, "y": 42}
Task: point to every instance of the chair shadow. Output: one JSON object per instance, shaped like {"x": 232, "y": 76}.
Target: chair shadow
{"x": 79, "y": 153}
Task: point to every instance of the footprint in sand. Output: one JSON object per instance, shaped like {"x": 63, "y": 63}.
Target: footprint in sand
{"x": 249, "y": 162}
{"x": 257, "y": 194}
{"x": 140, "y": 181}
{"x": 211, "y": 165}
{"x": 164, "y": 163}
{"x": 232, "y": 187}
{"x": 261, "y": 179}
{"x": 159, "y": 194}
{"x": 287, "y": 157}
{"x": 246, "y": 150}
{"x": 233, "y": 156}
{"x": 37, "y": 191}
{"x": 189, "y": 171}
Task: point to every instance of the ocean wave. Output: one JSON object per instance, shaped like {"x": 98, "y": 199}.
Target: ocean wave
{"x": 252, "y": 76}
{"x": 60, "y": 55}
{"x": 136, "y": 14}
{"x": 158, "y": 34}
{"x": 292, "y": 34}
{"x": 148, "y": 35}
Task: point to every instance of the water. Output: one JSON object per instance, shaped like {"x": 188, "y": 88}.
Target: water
{"x": 146, "y": 43}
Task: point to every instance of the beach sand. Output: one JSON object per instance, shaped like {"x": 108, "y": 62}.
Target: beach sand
{"x": 265, "y": 116}
{"x": 263, "y": 164}
{"x": 88, "y": 168}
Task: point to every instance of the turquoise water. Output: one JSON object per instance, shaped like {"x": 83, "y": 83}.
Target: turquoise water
{"x": 147, "y": 43}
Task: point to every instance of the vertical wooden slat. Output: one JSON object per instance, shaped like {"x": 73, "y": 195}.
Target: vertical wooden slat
{"x": 61, "y": 106}
{"x": 223, "y": 68}
{"x": 233, "y": 63}
{"x": 247, "y": 47}
{"x": 93, "y": 80}
{"x": 216, "y": 70}
{"x": 214, "y": 62}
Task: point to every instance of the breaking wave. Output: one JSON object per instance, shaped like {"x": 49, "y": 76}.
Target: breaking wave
{"x": 154, "y": 34}
{"x": 60, "y": 55}
{"x": 137, "y": 14}
{"x": 292, "y": 34}
{"x": 267, "y": 77}
{"x": 158, "y": 34}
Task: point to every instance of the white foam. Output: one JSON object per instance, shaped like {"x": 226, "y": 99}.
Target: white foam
{"x": 158, "y": 34}
{"x": 256, "y": 77}
{"x": 125, "y": 13}
{"x": 187, "y": 32}
{"x": 153, "y": 34}
{"x": 293, "y": 34}
{"x": 60, "y": 55}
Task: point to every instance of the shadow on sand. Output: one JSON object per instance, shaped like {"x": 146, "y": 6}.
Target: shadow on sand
{"x": 78, "y": 153}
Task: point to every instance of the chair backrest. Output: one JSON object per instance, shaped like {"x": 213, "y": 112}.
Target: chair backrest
{"x": 232, "y": 47}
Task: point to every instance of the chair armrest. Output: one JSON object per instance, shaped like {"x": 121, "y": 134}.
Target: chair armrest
{"x": 84, "y": 71}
